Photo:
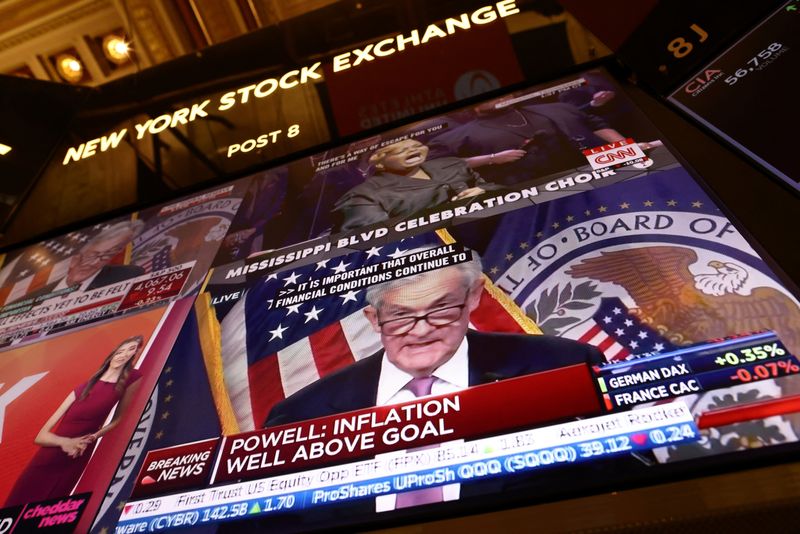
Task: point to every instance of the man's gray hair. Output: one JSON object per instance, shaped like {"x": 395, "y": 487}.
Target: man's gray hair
{"x": 132, "y": 227}
{"x": 471, "y": 271}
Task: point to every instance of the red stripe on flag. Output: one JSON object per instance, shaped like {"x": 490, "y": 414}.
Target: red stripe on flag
{"x": 606, "y": 344}
{"x": 119, "y": 259}
{"x": 620, "y": 355}
{"x": 39, "y": 279}
{"x": 593, "y": 331}
{"x": 330, "y": 349}
{"x": 265, "y": 387}
{"x": 490, "y": 316}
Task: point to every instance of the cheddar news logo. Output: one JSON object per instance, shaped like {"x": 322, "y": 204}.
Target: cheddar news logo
{"x": 701, "y": 82}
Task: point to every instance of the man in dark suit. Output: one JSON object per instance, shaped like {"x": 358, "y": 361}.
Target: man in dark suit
{"x": 423, "y": 323}
{"x": 90, "y": 269}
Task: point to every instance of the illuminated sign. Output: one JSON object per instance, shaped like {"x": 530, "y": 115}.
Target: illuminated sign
{"x": 398, "y": 43}
{"x": 290, "y": 79}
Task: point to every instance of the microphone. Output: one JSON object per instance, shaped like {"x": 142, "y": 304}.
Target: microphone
{"x": 537, "y": 136}
{"x": 487, "y": 378}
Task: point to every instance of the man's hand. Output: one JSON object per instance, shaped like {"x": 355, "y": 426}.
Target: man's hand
{"x": 600, "y": 98}
{"x": 471, "y": 192}
{"x": 507, "y": 156}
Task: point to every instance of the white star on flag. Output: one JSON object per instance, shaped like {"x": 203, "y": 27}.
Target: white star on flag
{"x": 342, "y": 267}
{"x": 606, "y": 319}
{"x": 313, "y": 313}
{"x": 642, "y": 334}
{"x": 634, "y": 344}
{"x": 619, "y": 331}
{"x": 374, "y": 251}
{"x": 322, "y": 264}
{"x": 272, "y": 276}
{"x": 294, "y": 308}
{"x": 278, "y": 332}
{"x": 350, "y": 295}
{"x": 397, "y": 253}
{"x": 628, "y": 322}
{"x": 616, "y": 311}
{"x": 291, "y": 279}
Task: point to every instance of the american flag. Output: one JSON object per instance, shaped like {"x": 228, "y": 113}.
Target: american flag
{"x": 619, "y": 334}
{"x": 268, "y": 354}
{"x": 159, "y": 260}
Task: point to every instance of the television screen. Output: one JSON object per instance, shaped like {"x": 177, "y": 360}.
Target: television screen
{"x": 515, "y": 301}
{"x": 69, "y": 406}
{"x": 742, "y": 95}
{"x": 113, "y": 268}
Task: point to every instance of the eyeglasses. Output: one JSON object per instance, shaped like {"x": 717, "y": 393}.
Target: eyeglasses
{"x": 440, "y": 317}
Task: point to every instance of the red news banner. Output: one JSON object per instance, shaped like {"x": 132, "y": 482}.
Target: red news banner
{"x": 155, "y": 289}
{"x": 478, "y": 411}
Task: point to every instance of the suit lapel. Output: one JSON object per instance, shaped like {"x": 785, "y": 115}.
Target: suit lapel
{"x": 490, "y": 359}
{"x": 361, "y": 387}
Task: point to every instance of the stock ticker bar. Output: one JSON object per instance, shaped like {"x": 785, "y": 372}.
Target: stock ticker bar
{"x": 695, "y": 369}
{"x": 496, "y": 456}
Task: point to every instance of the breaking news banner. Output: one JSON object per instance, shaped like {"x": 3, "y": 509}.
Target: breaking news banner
{"x": 377, "y": 430}
{"x": 527, "y": 147}
{"x": 425, "y": 469}
{"x": 69, "y": 406}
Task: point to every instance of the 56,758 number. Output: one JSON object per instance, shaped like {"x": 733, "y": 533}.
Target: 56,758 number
{"x": 759, "y": 60}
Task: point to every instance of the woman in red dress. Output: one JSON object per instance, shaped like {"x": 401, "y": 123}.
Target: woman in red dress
{"x": 67, "y": 445}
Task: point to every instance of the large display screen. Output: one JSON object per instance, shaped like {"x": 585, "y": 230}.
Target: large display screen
{"x": 514, "y": 301}
{"x": 744, "y": 97}
{"x": 69, "y": 405}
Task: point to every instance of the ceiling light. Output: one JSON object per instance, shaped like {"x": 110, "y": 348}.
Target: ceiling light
{"x": 116, "y": 49}
{"x": 4, "y": 149}
{"x": 69, "y": 67}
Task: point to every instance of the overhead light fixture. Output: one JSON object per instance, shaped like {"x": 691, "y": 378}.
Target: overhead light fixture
{"x": 116, "y": 49}
{"x": 69, "y": 67}
{"x": 4, "y": 149}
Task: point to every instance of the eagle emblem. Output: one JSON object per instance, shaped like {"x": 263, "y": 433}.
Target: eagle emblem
{"x": 687, "y": 308}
